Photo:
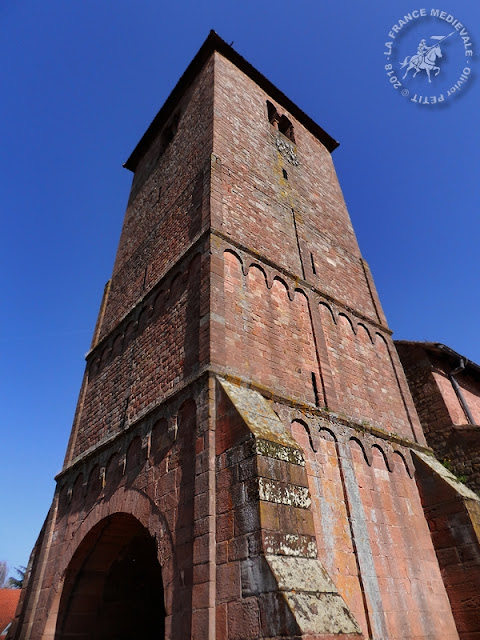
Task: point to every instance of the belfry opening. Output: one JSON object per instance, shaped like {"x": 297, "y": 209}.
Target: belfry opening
{"x": 113, "y": 587}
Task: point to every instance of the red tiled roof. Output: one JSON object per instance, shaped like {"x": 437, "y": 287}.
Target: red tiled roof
{"x": 8, "y": 604}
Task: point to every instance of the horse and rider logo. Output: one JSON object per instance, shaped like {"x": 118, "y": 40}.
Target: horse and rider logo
{"x": 426, "y": 57}
{"x": 447, "y": 58}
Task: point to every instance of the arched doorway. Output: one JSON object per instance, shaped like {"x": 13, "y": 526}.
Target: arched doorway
{"x": 113, "y": 587}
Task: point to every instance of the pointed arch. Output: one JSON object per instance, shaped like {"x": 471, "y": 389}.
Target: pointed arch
{"x": 133, "y": 457}
{"x": 379, "y": 336}
{"x": 300, "y": 292}
{"x": 327, "y": 306}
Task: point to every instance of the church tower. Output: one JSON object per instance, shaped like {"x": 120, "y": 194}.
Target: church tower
{"x": 240, "y": 462}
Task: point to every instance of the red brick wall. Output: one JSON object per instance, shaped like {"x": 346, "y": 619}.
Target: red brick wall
{"x": 372, "y": 536}
{"x": 471, "y": 392}
{"x": 295, "y": 228}
{"x": 331, "y": 517}
{"x": 145, "y": 358}
{"x": 168, "y": 206}
{"x": 154, "y": 473}
{"x": 452, "y": 403}
{"x": 364, "y": 375}
{"x": 254, "y": 183}
{"x": 439, "y": 409}
{"x": 268, "y": 337}
{"x": 454, "y": 521}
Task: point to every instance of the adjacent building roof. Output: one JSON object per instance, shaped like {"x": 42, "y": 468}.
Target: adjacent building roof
{"x": 8, "y": 605}
{"x": 442, "y": 349}
{"x": 211, "y": 44}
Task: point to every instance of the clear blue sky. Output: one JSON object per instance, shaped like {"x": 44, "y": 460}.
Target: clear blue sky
{"x": 82, "y": 79}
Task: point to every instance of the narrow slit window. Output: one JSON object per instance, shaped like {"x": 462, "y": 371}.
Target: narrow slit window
{"x": 315, "y": 389}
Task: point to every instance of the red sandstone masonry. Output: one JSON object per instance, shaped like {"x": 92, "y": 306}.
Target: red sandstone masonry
{"x": 453, "y": 515}
{"x": 443, "y": 418}
{"x": 167, "y": 213}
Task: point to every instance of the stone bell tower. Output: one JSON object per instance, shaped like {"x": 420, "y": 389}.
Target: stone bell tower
{"x": 239, "y": 465}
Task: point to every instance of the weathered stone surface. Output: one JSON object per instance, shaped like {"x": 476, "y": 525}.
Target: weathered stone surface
{"x": 322, "y": 613}
{"x": 282, "y": 493}
{"x": 459, "y": 487}
{"x": 300, "y": 574}
{"x": 259, "y": 416}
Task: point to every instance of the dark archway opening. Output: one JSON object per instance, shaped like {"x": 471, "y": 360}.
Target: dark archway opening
{"x": 113, "y": 587}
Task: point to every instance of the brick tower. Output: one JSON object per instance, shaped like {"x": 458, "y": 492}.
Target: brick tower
{"x": 240, "y": 460}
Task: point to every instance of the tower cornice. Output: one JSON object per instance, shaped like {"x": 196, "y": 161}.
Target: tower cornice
{"x": 215, "y": 43}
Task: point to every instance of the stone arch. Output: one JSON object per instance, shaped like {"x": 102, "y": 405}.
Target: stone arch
{"x": 130, "y": 331}
{"x": 356, "y": 443}
{"x": 194, "y": 266}
{"x": 113, "y": 586}
{"x": 149, "y": 517}
{"x": 134, "y": 455}
{"x": 160, "y": 440}
{"x": 329, "y": 308}
{"x": 327, "y": 434}
{"x": 94, "y": 484}
{"x": 364, "y": 326}
{"x": 379, "y": 336}
{"x": 175, "y": 289}
{"x": 397, "y": 456}
{"x": 113, "y": 472}
{"x": 299, "y": 292}
{"x": 383, "y": 454}
{"x": 105, "y": 357}
{"x": 232, "y": 259}
{"x": 257, "y": 267}
{"x": 144, "y": 318}
{"x": 285, "y": 285}
{"x": 159, "y": 303}
{"x": 78, "y": 492}
{"x": 117, "y": 346}
{"x": 348, "y": 319}
{"x": 300, "y": 431}
{"x": 63, "y": 501}
{"x": 94, "y": 367}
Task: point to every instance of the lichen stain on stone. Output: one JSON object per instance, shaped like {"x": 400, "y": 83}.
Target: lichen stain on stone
{"x": 258, "y": 415}
{"x": 290, "y": 544}
{"x": 322, "y": 613}
{"x": 279, "y": 452}
{"x": 281, "y": 493}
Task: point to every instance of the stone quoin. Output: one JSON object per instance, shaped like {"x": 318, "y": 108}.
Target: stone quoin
{"x": 245, "y": 459}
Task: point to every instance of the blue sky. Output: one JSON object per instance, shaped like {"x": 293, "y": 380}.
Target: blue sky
{"x": 82, "y": 80}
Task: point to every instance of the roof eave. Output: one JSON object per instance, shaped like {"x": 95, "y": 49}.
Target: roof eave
{"x": 215, "y": 43}
{"x": 438, "y": 347}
